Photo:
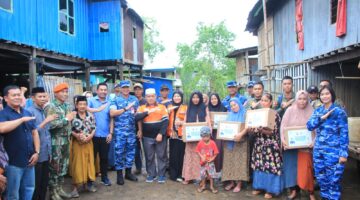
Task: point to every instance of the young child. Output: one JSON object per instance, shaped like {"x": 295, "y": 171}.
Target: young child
{"x": 207, "y": 150}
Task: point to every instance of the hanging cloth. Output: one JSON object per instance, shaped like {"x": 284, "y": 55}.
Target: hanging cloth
{"x": 341, "y": 18}
{"x": 299, "y": 24}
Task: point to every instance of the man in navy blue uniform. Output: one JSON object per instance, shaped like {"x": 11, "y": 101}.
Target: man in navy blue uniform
{"x": 232, "y": 89}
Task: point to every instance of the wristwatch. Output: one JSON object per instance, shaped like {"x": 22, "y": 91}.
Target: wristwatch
{"x": 37, "y": 152}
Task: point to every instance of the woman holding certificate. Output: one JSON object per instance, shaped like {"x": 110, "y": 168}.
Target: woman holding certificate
{"x": 297, "y": 164}
{"x": 215, "y": 105}
{"x": 236, "y": 154}
{"x": 177, "y": 112}
{"x": 331, "y": 144}
{"x": 196, "y": 112}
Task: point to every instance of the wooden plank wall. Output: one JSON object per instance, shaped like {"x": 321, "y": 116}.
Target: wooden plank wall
{"x": 262, "y": 50}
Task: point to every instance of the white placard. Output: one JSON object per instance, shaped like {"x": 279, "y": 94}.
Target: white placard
{"x": 227, "y": 131}
{"x": 193, "y": 133}
{"x": 218, "y": 118}
{"x": 256, "y": 119}
{"x": 299, "y": 138}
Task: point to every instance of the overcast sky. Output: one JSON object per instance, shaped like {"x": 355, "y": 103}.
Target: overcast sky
{"x": 177, "y": 21}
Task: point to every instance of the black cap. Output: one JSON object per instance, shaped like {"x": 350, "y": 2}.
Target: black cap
{"x": 164, "y": 86}
{"x": 312, "y": 89}
{"x": 36, "y": 90}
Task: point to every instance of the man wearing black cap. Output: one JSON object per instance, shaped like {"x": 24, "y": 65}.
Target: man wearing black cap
{"x": 314, "y": 96}
{"x": 40, "y": 99}
{"x": 232, "y": 89}
{"x": 164, "y": 92}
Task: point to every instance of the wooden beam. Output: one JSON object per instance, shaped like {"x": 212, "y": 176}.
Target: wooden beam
{"x": 337, "y": 58}
{"x": 15, "y": 48}
{"x": 87, "y": 76}
{"x": 347, "y": 77}
{"x": 32, "y": 69}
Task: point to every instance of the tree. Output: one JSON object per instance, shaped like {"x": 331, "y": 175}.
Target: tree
{"x": 203, "y": 63}
{"x": 152, "y": 45}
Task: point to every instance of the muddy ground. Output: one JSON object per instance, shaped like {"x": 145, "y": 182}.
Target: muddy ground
{"x": 174, "y": 190}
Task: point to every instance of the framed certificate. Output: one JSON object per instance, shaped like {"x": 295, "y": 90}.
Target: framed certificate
{"x": 298, "y": 137}
{"x": 227, "y": 130}
{"x": 191, "y": 131}
{"x": 217, "y": 117}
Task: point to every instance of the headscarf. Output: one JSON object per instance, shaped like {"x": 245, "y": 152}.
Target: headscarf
{"x": 295, "y": 116}
{"x": 177, "y": 104}
{"x": 198, "y": 111}
{"x": 235, "y": 117}
{"x": 218, "y": 107}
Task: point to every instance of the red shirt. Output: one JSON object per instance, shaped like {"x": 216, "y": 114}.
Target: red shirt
{"x": 209, "y": 150}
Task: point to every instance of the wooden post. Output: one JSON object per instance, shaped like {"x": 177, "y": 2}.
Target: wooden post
{"x": 247, "y": 64}
{"x": 267, "y": 53}
{"x": 121, "y": 71}
{"x": 87, "y": 76}
{"x": 32, "y": 69}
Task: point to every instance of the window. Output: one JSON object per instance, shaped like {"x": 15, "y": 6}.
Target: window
{"x": 104, "y": 27}
{"x": 333, "y": 11}
{"x": 66, "y": 16}
{"x": 6, "y": 5}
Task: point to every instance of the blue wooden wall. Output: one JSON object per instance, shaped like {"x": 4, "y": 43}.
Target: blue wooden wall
{"x": 35, "y": 23}
{"x": 319, "y": 34}
{"x": 105, "y": 45}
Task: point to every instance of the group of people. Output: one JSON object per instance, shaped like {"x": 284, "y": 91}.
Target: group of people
{"x": 41, "y": 143}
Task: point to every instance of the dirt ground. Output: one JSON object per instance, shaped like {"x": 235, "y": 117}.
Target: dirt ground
{"x": 174, "y": 190}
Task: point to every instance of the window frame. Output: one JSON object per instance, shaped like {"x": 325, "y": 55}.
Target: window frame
{"x": 67, "y": 14}
{"x": 331, "y": 11}
{"x": 11, "y": 7}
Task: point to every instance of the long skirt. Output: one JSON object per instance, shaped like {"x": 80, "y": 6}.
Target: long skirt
{"x": 290, "y": 158}
{"x": 82, "y": 163}
{"x": 305, "y": 171}
{"x": 271, "y": 183}
{"x": 191, "y": 167}
{"x": 176, "y": 158}
{"x": 236, "y": 162}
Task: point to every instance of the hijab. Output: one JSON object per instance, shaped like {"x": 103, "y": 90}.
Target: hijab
{"x": 238, "y": 116}
{"x": 198, "y": 111}
{"x": 176, "y": 104}
{"x": 295, "y": 116}
{"x": 218, "y": 107}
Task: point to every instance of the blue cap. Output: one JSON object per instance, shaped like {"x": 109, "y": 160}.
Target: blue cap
{"x": 205, "y": 131}
{"x": 231, "y": 84}
{"x": 251, "y": 84}
{"x": 125, "y": 83}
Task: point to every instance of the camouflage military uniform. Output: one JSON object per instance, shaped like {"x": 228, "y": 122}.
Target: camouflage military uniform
{"x": 60, "y": 130}
{"x": 331, "y": 143}
{"x": 125, "y": 135}
{"x": 250, "y": 101}
{"x": 281, "y": 99}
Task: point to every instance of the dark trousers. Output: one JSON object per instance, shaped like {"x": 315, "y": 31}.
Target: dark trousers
{"x": 154, "y": 149}
{"x": 138, "y": 160}
{"x": 176, "y": 158}
{"x": 41, "y": 180}
{"x": 101, "y": 147}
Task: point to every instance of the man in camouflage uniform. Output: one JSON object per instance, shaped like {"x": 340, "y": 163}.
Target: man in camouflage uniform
{"x": 253, "y": 103}
{"x": 60, "y": 130}
{"x": 123, "y": 109}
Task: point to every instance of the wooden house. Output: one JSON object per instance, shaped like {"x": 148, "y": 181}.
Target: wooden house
{"x": 73, "y": 36}
{"x": 310, "y": 40}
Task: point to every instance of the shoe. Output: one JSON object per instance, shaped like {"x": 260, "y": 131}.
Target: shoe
{"x": 54, "y": 195}
{"x": 179, "y": 180}
{"x": 74, "y": 194}
{"x": 62, "y": 193}
{"x": 129, "y": 176}
{"x": 120, "y": 178}
{"x": 105, "y": 181}
{"x": 150, "y": 179}
{"x": 162, "y": 179}
{"x": 91, "y": 187}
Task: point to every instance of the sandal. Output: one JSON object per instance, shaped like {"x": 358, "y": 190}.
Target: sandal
{"x": 229, "y": 187}
{"x": 268, "y": 196}
{"x": 237, "y": 189}
{"x": 201, "y": 189}
{"x": 214, "y": 191}
{"x": 185, "y": 182}
{"x": 256, "y": 192}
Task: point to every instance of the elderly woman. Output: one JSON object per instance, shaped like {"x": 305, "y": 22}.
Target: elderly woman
{"x": 236, "y": 154}
{"x": 331, "y": 144}
{"x": 298, "y": 163}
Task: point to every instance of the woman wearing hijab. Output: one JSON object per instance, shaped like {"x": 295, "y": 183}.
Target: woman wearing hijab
{"x": 196, "y": 112}
{"x": 298, "y": 166}
{"x": 177, "y": 112}
{"x": 236, "y": 154}
{"x": 266, "y": 160}
{"x": 215, "y": 105}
